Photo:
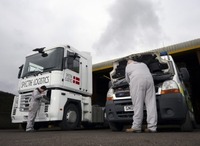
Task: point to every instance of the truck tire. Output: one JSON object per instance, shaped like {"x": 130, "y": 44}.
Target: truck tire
{"x": 187, "y": 126}
{"x": 71, "y": 117}
{"x": 114, "y": 126}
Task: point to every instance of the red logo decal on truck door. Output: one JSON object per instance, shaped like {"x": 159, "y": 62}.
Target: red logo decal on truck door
{"x": 76, "y": 80}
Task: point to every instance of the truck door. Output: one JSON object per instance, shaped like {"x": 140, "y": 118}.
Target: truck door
{"x": 41, "y": 112}
{"x": 72, "y": 71}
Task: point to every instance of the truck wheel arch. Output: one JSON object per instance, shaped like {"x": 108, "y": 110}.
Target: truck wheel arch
{"x": 75, "y": 102}
{"x": 74, "y": 107}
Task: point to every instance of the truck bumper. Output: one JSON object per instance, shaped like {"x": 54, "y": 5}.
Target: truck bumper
{"x": 171, "y": 109}
{"x": 24, "y": 118}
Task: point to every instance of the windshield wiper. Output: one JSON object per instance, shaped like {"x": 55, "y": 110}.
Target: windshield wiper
{"x": 47, "y": 69}
{"x": 32, "y": 73}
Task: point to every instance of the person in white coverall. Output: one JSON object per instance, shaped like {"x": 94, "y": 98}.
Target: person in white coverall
{"x": 34, "y": 106}
{"x": 142, "y": 91}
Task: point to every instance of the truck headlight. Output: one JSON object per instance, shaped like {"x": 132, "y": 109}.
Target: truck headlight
{"x": 16, "y": 99}
{"x": 170, "y": 86}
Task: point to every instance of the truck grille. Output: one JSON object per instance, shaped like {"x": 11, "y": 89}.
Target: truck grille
{"x": 46, "y": 108}
{"x": 123, "y": 102}
{"x": 24, "y": 102}
{"x": 126, "y": 92}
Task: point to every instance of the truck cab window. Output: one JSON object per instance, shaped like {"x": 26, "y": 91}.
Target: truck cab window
{"x": 37, "y": 63}
{"x": 72, "y": 61}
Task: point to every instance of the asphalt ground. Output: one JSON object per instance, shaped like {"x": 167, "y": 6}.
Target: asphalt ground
{"x": 98, "y": 137}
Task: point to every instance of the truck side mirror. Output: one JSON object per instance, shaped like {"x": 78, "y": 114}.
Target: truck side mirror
{"x": 20, "y": 71}
{"x": 76, "y": 56}
{"x": 73, "y": 55}
{"x": 184, "y": 74}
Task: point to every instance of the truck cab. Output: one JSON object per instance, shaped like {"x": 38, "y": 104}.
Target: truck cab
{"x": 173, "y": 101}
{"x": 67, "y": 73}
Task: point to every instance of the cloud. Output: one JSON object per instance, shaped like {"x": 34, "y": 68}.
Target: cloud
{"x": 107, "y": 29}
{"x": 26, "y": 25}
{"x": 180, "y": 21}
{"x": 134, "y": 26}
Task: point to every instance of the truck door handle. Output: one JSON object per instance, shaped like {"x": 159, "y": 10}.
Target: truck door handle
{"x": 63, "y": 94}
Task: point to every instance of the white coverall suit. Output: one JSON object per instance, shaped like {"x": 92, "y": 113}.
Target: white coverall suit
{"x": 34, "y": 106}
{"x": 142, "y": 91}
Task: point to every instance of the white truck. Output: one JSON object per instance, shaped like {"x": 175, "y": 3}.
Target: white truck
{"x": 67, "y": 73}
{"x": 173, "y": 100}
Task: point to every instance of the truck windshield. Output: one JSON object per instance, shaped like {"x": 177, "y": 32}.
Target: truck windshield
{"x": 38, "y": 63}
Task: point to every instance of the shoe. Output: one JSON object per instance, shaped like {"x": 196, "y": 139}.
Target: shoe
{"x": 31, "y": 130}
{"x": 149, "y": 131}
{"x": 131, "y": 130}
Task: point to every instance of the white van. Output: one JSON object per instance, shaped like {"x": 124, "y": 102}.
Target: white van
{"x": 173, "y": 101}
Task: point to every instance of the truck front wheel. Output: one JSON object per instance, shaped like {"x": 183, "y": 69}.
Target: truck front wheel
{"x": 71, "y": 117}
{"x": 114, "y": 126}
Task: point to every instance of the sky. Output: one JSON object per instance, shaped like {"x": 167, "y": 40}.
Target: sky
{"x": 107, "y": 29}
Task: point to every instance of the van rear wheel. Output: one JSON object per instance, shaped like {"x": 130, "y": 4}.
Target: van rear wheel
{"x": 71, "y": 117}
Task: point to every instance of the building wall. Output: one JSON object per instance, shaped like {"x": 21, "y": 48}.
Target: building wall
{"x": 6, "y": 100}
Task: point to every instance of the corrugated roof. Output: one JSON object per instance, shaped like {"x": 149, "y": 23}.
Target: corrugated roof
{"x": 176, "y": 48}
{"x": 181, "y": 47}
{"x": 103, "y": 65}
